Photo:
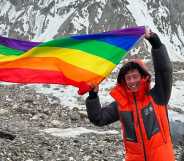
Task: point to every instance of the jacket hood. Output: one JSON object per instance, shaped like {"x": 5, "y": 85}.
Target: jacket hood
{"x": 141, "y": 63}
{"x": 124, "y": 93}
{"x": 133, "y": 64}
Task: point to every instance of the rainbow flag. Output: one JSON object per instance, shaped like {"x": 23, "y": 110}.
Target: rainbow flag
{"x": 76, "y": 60}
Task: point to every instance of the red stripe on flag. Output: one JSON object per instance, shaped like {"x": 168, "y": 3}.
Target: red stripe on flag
{"x": 18, "y": 75}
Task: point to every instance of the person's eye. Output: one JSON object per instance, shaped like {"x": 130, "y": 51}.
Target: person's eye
{"x": 136, "y": 76}
{"x": 127, "y": 78}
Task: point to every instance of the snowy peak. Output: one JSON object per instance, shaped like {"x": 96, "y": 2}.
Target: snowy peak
{"x": 42, "y": 20}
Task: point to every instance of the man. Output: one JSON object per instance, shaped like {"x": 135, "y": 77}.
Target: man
{"x": 142, "y": 111}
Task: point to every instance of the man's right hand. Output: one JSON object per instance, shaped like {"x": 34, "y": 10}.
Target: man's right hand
{"x": 148, "y": 32}
{"x": 94, "y": 88}
{"x": 93, "y": 93}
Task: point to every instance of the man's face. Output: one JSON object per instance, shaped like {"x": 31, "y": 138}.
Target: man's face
{"x": 133, "y": 79}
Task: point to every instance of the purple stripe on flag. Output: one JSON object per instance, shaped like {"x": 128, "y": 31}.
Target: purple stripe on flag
{"x": 138, "y": 31}
{"x": 134, "y": 31}
{"x": 17, "y": 44}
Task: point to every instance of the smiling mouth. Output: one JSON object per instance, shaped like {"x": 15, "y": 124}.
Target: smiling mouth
{"x": 132, "y": 86}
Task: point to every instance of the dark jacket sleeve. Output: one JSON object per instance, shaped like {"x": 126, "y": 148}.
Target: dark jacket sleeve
{"x": 163, "y": 73}
{"x": 101, "y": 116}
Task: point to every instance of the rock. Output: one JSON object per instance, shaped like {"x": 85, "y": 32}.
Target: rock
{"x": 3, "y": 111}
{"x": 177, "y": 131}
{"x": 74, "y": 114}
{"x": 56, "y": 123}
{"x": 46, "y": 85}
{"x": 83, "y": 114}
{"x": 7, "y": 135}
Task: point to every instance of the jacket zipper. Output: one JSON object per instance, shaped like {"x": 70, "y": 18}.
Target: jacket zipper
{"x": 139, "y": 124}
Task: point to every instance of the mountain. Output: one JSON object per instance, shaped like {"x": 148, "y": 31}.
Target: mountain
{"x": 42, "y": 20}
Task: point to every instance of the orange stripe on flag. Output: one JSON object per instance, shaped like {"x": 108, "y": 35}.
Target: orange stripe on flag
{"x": 53, "y": 65}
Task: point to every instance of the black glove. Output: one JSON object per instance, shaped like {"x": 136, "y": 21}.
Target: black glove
{"x": 154, "y": 41}
{"x": 92, "y": 94}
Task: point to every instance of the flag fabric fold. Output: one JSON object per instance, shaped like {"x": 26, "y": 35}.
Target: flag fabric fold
{"x": 77, "y": 60}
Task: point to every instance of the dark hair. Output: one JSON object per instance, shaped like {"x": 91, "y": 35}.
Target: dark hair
{"x": 130, "y": 66}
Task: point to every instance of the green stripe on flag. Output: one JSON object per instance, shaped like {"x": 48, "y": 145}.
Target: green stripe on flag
{"x": 9, "y": 51}
{"x": 94, "y": 47}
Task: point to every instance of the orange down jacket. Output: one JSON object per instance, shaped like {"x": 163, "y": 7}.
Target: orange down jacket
{"x": 146, "y": 133}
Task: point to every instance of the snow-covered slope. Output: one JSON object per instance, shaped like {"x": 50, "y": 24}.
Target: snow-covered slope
{"x": 142, "y": 15}
{"x": 42, "y": 20}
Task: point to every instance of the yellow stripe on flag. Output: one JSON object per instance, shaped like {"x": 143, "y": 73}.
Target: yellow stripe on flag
{"x": 75, "y": 57}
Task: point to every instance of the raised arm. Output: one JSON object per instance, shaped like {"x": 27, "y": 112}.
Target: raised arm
{"x": 163, "y": 71}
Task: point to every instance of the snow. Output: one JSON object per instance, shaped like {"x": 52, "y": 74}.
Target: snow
{"x": 180, "y": 31}
{"x": 18, "y": 30}
{"x": 2, "y": 28}
{"x": 181, "y": 36}
{"x": 46, "y": 2}
{"x": 38, "y": 26}
{"x": 175, "y": 116}
{"x": 5, "y": 5}
{"x": 26, "y": 27}
{"x": 99, "y": 14}
{"x": 73, "y": 132}
{"x": 11, "y": 13}
{"x": 181, "y": 71}
{"x": 54, "y": 21}
{"x": 53, "y": 26}
{"x": 8, "y": 8}
{"x": 66, "y": 2}
{"x": 141, "y": 14}
{"x": 177, "y": 96}
{"x": 81, "y": 22}
{"x": 67, "y": 95}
